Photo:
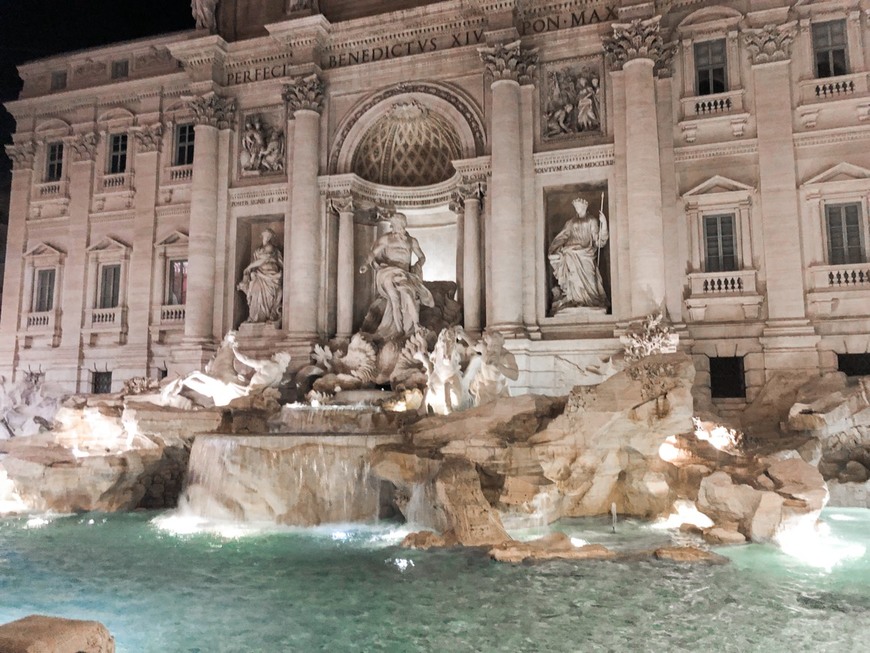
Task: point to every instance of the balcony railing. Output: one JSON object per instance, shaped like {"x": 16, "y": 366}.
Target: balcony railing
{"x": 737, "y": 282}
{"x": 51, "y": 190}
{"x": 172, "y": 314}
{"x": 833, "y": 88}
{"x": 106, "y": 318}
{"x": 116, "y": 183}
{"x": 41, "y": 321}
{"x": 841, "y": 277}
{"x": 717, "y": 104}
{"x": 181, "y": 174}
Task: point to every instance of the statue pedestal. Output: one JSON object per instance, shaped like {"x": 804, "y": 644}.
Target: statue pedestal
{"x": 581, "y": 314}
{"x": 254, "y": 330}
{"x": 261, "y": 339}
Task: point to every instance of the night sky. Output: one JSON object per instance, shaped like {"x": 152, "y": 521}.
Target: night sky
{"x": 32, "y": 29}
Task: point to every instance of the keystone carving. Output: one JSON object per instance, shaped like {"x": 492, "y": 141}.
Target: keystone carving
{"x": 83, "y": 146}
{"x": 510, "y": 61}
{"x": 639, "y": 39}
{"x": 769, "y": 43}
{"x": 149, "y": 138}
{"x": 304, "y": 94}
{"x": 22, "y": 155}
{"x": 213, "y": 110}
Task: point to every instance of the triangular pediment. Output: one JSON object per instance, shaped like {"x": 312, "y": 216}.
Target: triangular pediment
{"x": 718, "y": 184}
{"x": 43, "y": 249}
{"x": 173, "y": 238}
{"x": 840, "y": 172}
{"x": 108, "y": 244}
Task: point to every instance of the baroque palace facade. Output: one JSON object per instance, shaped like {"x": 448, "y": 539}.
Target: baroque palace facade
{"x": 726, "y": 146}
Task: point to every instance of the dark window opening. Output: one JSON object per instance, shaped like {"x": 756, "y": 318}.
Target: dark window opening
{"x": 120, "y": 69}
{"x": 829, "y": 48}
{"x": 54, "y": 162}
{"x": 710, "y": 67}
{"x": 844, "y": 234}
{"x": 177, "y": 282}
{"x": 184, "y": 136}
{"x": 720, "y": 243}
{"x": 726, "y": 378}
{"x": 58, "y": 80}
{"x": 44, "y": 300}
{"x": 118, "y": 154}
{"x": 101, "y": 383}
{"x": 854, "y": 364}
{"x": 110, "y": 286}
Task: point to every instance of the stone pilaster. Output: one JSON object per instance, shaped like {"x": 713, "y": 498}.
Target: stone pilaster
{"x": 303, "y": 232}
{"x": 212, "y": 113}
{"x": 471, "y": 197}
{"x": 346, "y": 274}
{"x": 15, "y": 301}
{"x": 789, "y": 340}
{"x": 636, "y": 48}
{"x": 509, "y": 66}
{"x": 148, "y": 140}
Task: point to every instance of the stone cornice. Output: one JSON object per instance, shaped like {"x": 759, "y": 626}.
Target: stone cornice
{"x": 770, "y": 43}
{"x": 510, "y": 61}
{"x": 304, "y": 94}
{"x": 198, "y": 53}
{"x": 715, "y": 150}
{"x": 574, "y": 159}
{"x": 213, "y": 110}
{"x": 832, "y": 136}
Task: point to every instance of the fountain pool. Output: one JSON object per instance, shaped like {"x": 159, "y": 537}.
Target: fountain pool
{"x": 161, "y": 588}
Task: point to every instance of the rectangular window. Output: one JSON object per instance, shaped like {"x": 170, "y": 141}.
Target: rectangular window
{"x": 184, "y": 145}
{"x": 844, "y": 233}
{"x": 101, "y": 383}
{"x": 54, "y": 162}
{"x": 176, "y": 282}
{"x": 720, "y": 243}
{"x": 110, "y": 286}
{"x": 710, "y": 67}
{"x": 117, "y": 154}
{"x": 44, "y": 298}
{"x": 58, "y": 80}
{"x": 829, "y": 48}
{"x": 120, "y": 69}
{"x": 727, "y": 378}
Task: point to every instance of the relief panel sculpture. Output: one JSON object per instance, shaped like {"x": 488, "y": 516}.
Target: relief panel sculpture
{"x": 573, "y": 99}
{"x": 263, "y": 146}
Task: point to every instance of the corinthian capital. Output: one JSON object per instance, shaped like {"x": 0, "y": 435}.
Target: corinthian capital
{"x": 342, "y": 203}
{"x": 510, "y": 61}
{"x": 83, "y": 147}
{"x": 639, "y": 39}
{"x": 769, "y": 43}
{"x": 213, "y": 110}
{"x": 149, "y": 138}
{"x": 304, "y": 94}
{"x": 22, "y": 155}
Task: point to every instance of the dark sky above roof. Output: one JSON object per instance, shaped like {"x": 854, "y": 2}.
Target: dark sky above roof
{"x": 33, "y": 29}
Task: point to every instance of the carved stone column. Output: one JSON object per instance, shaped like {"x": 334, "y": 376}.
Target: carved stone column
{"x": 470, "y": 196}
{"x": 303, "y": 234}
{"x": 345, "y": 273}
{"x": 636, "y": 48}
{"x": 15, "y": 301}
{"x": 789, "y": 340}
{"x": 82, "y": 151}
{"x": 148, "y": 141}
{"x": 509, "y": 66}
{"x": 211, "y": 113}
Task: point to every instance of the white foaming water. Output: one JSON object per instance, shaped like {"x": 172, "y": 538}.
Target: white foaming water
{"x": 813, "y": 544}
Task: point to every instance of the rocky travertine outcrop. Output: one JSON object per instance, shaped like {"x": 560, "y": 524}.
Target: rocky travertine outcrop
{"x": 42, "y": 634}
{"x": 630, "y": 442}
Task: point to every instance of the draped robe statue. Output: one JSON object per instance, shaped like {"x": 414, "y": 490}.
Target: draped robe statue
{"x": 262, "y": 281}
{"x": 574, "y": 255}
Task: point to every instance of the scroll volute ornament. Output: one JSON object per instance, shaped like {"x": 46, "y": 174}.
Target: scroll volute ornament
{"x": 22, "y": 155}
{"x": 639, "y": 39}
{"x": 149, "y": 138}
{"x": 83, "y": 146}
{"x": 304, "y": 94}
{"x": 510, "y": 61}
{"x": 213, "y": 110}
{"x": 769, "y": 43}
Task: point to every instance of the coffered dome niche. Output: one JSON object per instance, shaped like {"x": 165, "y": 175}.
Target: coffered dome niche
{"x": 410, "y": 145}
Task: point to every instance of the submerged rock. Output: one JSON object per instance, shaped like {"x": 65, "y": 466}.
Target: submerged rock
{"x": 42, "y": 634}
{"x": 689, "y": 554}
{"x": 554, "y": 546}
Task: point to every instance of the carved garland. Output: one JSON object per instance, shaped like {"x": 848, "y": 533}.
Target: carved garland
{"x": 304, "y": 94}
{"x": 213, "y": 110}
{"x": 769, "y": 43}
{"x": 510, "y": 61}
{"x": 402, "y": 89}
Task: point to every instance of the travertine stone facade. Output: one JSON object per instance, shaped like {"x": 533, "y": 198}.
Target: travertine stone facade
{"x": 727, "y": 144}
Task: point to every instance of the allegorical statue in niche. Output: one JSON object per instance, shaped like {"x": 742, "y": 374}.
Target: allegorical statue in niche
{"x": 398, "y": 281}
{"x": 262, "y": 281}
{"x": 204, "y": 14}
{"x": 574, "y": 255}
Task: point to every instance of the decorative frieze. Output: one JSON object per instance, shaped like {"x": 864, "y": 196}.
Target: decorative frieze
{"x": 769, "y": 43}
{"x": 22, "y": 155}
{"x": 639, "y": 39}
{"x": 149, "y": 138}
{"x": 304, "y": 94}
{"x": 510, "y": 61}
{"x": 83, "y": 147}
{"x": 213, "y": 110}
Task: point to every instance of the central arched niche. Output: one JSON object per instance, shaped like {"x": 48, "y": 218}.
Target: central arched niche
{"x": 408, "y": 146}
